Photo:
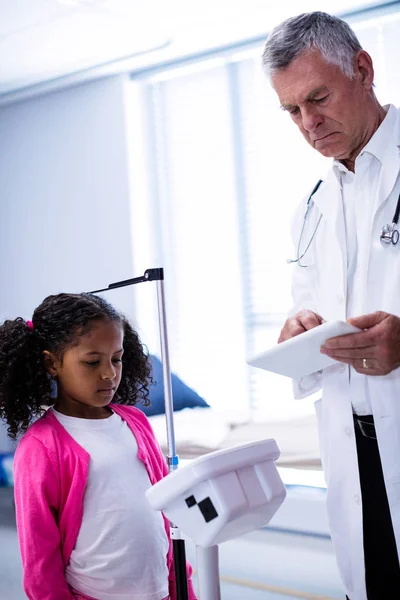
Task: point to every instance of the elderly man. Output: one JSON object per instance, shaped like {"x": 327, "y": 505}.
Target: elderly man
{"x": 324, "y": 80}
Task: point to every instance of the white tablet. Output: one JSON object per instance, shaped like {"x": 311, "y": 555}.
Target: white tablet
{"x": 300, "y": 355}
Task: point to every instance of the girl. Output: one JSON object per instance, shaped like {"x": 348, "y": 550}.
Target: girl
{"x": 82, "y": 469}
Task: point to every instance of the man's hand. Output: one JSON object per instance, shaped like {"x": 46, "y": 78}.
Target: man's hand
{"x": 375, "y": 351}
{"x": 301, "y": 322}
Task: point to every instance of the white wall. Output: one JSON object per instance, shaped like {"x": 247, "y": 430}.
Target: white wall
{"x": 64, "y": 199}
{"x": 64, "y": 196}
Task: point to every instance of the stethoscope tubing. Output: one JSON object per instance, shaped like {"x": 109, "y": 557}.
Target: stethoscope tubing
{"x": 389, "y": 233}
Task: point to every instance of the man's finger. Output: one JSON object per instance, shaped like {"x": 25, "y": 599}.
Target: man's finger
{"x": 358, "y": 365}
{"x": 309, "y": 320}
{"x": 301, "y": 322}
{"x": 296, "y": 327}
{"x": 351, "y": 340}
{"x": 349, "y": 353}
{"x": 291, "y": 329}
{"x": 367, "y": 321}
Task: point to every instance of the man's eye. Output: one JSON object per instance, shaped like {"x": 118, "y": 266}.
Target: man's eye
{"x": 294, "y": 111}
{"x": 321, "y": 99}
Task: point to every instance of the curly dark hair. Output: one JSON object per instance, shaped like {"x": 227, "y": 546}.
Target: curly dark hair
{"x": 25, "y": 385}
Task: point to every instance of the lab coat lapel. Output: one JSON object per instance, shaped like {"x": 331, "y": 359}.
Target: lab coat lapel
{"x": 387, "y": 181}
{"x": 390, "y": 168}
{"x": 332, "y": 241}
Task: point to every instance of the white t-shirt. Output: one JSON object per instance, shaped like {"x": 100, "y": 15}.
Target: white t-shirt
{"x": 121, "y": 549}
{"x": 359, "y": 190}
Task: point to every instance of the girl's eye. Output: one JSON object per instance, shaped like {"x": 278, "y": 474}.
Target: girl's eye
{"x": 93, "y": 363}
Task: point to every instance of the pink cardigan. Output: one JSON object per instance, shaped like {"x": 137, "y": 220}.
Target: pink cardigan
{"x": 50, "y": 473}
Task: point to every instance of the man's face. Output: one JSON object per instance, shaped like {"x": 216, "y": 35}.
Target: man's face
{"x": 326, "y": 105}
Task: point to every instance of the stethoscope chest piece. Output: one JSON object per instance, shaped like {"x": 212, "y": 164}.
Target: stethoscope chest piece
{"x": 390, "y": 234}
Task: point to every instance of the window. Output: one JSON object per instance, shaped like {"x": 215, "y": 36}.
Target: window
{"x": 217, "y": 170}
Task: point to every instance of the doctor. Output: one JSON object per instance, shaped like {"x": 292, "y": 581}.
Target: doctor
{"x": 324, "y": 80}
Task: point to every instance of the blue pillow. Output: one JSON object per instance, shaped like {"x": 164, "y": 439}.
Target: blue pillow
{"x": 183, "y": 395}
{"x": 6, "y": 470}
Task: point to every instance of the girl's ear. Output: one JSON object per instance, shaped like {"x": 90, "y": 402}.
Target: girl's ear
{"x": 50, "y": 362}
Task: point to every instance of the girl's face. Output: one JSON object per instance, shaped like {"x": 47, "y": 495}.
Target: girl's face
{"x": 89, "y": 373}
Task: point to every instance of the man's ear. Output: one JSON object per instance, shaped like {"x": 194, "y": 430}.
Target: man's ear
{"x": 364, "y": 69}
{"x": 51, "y": 363}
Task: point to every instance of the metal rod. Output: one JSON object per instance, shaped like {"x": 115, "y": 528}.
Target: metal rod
{"x": 208, "y": 573}
{"x": 149, "y": 275}
{"x": 180, "y": 569}
{"x": 172, "y": 457}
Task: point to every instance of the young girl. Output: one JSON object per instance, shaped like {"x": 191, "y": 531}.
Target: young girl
{"x": 82, "y": 469}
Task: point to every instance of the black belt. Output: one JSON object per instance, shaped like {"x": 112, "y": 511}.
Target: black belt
{"x": 366, "y": 425}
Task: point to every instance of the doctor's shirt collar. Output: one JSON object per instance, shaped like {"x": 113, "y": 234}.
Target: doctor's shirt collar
{"x": 376, "y": 146}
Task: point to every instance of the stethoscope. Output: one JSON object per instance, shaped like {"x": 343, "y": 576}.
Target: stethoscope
{"x": 389, "y": 233}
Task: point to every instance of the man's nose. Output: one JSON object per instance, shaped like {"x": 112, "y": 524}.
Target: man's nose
{"x": 310, "y": 118}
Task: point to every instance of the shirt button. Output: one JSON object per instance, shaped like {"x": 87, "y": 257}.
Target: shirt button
{"x": 340, "y": 298}
{"x": 357, "y": 499}
{"x": 342, "y": 368}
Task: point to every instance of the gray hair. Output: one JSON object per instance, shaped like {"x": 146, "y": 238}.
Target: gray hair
{"x": 330, "y": 35}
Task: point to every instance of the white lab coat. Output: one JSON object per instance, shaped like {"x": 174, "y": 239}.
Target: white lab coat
{"x": 322, "y": 287}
